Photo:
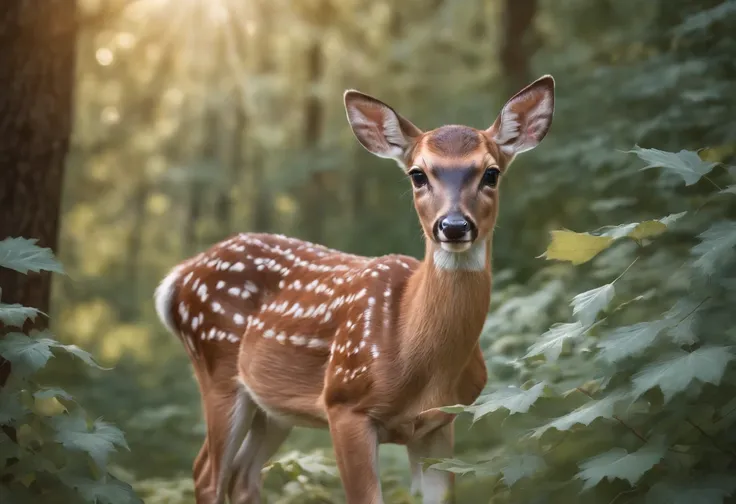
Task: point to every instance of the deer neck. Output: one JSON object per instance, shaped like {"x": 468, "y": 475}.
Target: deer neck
{"x": 444, "y": 307}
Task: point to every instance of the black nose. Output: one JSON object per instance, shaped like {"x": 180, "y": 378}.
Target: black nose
{"x": 454, "y": 227}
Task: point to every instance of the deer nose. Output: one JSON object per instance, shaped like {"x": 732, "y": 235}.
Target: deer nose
{"x": 454, "y": 227}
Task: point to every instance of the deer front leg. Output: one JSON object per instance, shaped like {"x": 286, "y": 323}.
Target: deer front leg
{"x": 437, "y": 487}
{"x": 355, "y": 441}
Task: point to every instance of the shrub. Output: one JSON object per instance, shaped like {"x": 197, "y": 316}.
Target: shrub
{"x": 49, "y": 450}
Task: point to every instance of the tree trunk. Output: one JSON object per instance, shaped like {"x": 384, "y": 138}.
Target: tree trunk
{"x": 130, "y": 308}
{"x": 515, "y": 51}
{"x": 224, "y": 203}
{"x": 37, "y": 61}
{"x": 313, "y": 201}
{"x": 261, "y": 191}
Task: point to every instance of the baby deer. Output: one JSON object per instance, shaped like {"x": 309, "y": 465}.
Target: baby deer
{"x": 284, "y": 333}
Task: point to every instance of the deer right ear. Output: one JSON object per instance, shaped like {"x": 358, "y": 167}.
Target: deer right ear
{"x": 526, "y": 118}
{"x": 378, "y": 127}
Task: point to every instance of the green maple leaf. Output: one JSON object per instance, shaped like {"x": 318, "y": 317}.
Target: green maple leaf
{"x": 551, "y": 343}
{"x": 15, "y": 315}
{"x": 98, "y": 441}
{"x": 86, "y": 357}
{"x": 587, "y": 305}
{"x": 716, "y": 247}
{"x": 460, "y": 467}
{"x": 107, "y": 490}
{"x": 629, "y": 341}
{"x": 620, "y": 464}
{"x": 514, "y": 399}
{"x": 27, "y": 355}
{"x": 584, "y": 415}
{"x": 10, "y": 406}
{"x": 522, "y": 466}
{"x": 681, "y": 320}
{"x": 675, "y": 372}
{"x": 23, "y": 255}
{"x": 686, "y": 164}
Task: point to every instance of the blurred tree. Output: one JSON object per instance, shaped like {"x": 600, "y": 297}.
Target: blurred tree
{"x": 515, "y": 49}
{"x": 313, "y": 193}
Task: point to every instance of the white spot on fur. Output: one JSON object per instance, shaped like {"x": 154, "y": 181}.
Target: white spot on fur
{"x": 374, "y": 351}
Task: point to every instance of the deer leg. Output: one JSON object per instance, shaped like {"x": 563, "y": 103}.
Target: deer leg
{"x": 225, "y": 432}
{"x": 437, "y": 487}
{"x": 262, "y": 442}
{"x": 355, "y": 440}
{"x": 204, "y": 492}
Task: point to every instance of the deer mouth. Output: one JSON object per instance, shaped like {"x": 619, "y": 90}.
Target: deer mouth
{"x": 455, "y": 245}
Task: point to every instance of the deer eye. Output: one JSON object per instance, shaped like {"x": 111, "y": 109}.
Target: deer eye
{"x": 490, "y": 177}
{"x": 418, "y": 177}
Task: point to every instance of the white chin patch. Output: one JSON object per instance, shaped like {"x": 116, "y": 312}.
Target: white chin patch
{"x": 455, "y": 246}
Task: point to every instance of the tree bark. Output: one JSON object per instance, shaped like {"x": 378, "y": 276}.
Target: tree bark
{"x": 515, "y": 51}
{"x": 37, "y": 61}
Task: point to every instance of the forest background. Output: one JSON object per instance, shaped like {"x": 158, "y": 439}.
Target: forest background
{"x": 134, "y": 133}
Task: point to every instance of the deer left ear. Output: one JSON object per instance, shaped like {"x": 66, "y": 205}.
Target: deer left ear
{"x": 525, "y": 119}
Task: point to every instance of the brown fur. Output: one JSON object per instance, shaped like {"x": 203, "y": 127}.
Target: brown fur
{"x": 453, "y": 141}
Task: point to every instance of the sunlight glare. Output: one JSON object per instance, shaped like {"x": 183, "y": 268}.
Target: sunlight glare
{"x": 215, "y": 10}
{"x": 104, "y": 56}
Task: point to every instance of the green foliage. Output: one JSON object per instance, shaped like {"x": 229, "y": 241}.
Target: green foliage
{"x": 54, "y": 454}
{"x": 15, "y": 315}
{"x": 647, "y": 417}
{"x": 618, "y": 463}
{"x": 716, "y": 246}
{"x": 513, "y": 399}
{"x": 677, "y": 370}
{"x": 22, "y": 255}
{"x": 686, "y": 164}
{"x": 587, "y": 305}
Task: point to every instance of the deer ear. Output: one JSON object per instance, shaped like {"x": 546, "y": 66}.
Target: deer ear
{"x": 525, "y": 119}
{"x": 378, "y": 127}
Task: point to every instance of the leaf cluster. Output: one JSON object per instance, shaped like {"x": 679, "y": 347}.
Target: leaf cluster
{"x": 49, "y": 449}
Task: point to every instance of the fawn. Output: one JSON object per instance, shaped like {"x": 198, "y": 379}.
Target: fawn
{"x": 282, "y": 332}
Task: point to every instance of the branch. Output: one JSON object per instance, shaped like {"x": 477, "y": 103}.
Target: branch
{"x": 711, "y": 438}
{"x": 616, "y": 417}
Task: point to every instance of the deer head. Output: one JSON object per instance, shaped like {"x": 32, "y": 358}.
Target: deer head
{"x": 455, "y": 170}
